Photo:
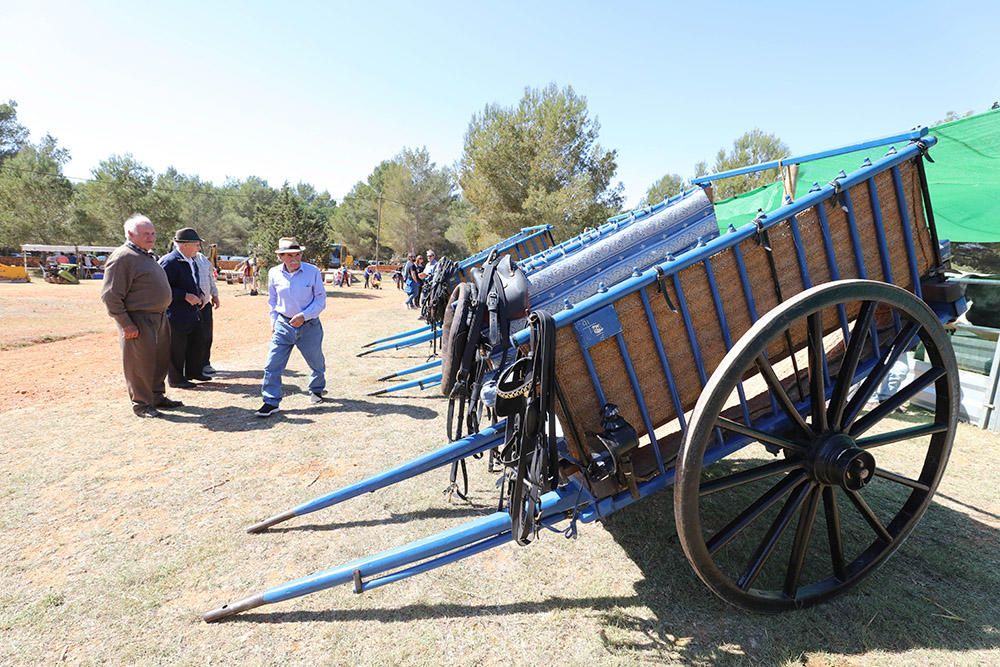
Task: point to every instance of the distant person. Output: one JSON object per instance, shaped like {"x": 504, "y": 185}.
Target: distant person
{"x": 376, "y": 279}
{"x": 136, "y": 293}
{"x": 184, "y": 313}
{"x": 419, "y": 277}
{"x": 296, "y": 297}
{"x": 410, "y": 280}
{"x": 247, "y": 275}
{"x": 432, "y": 263}
{"x": 368, "y": 276}
{"x": 89, "y": 268}
{"x": 397, "y": 277}
{"x": 209, "y": 302}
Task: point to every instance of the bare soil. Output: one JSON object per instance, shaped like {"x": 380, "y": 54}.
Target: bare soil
{"x": 117, "y": 533}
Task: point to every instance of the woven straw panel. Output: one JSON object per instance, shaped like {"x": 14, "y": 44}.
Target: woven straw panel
{"x": 581, "y": 398}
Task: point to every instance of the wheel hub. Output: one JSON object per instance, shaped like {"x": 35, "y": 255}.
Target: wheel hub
{"x": 840, "y": 462}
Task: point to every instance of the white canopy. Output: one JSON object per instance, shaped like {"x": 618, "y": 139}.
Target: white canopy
{"x": 38, "y": 247}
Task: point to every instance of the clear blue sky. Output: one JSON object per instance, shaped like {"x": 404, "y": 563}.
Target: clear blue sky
{"x": 322, "y": 91}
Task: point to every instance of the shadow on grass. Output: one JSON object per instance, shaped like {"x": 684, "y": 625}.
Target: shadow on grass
{"x": 396, "y": 517}
{"x": 936, "y": 593}
{"x": 930, "y": 595}
{"x": 431, "y": 611}
{"x": 235, "y": 419}
{"x": 344, "y": 294}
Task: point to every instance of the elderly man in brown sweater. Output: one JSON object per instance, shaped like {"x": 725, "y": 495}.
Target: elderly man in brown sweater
{"x": 136, "y": 294}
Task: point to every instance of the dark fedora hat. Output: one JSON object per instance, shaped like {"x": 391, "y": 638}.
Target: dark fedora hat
{"x": 186, "y": 235}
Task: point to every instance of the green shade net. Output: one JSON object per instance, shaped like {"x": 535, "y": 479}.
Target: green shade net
{"x": 741, "y": 209}
{"x": 964, "y": 181}
{"x": 964, "y": 178}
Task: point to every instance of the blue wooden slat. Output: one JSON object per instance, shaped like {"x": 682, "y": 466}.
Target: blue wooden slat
{"x": 904, "y": 218}
{"x": 641, "y": 401}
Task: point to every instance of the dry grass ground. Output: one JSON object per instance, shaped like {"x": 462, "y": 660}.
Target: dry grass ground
{"x": 116, "y": 533}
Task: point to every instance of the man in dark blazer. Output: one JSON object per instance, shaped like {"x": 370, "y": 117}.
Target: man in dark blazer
{"x": 186, "y": 347}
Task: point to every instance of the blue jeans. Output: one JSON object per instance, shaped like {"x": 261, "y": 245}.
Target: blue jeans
{"x": 309, "y": 339}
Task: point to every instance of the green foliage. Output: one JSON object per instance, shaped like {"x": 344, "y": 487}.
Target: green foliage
{"x": 34, "y": 194}
{"x": 355, "y": 222}
{"x": 417, "y": 201}
{"x": 668, "y": 186}
{"x": 538, "y": 163}
{"x": 289, "y": 215}
{"x": 748, "y": 149}
{"x": 419, "y": 209}
{"x": 122, "y": 187}
{"x": 13, "y": 135}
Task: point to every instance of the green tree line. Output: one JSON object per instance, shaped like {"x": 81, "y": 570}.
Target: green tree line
{"x": 537, "y": 162}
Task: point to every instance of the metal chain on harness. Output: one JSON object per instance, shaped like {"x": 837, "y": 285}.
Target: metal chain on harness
{"x": 526, "y": 396}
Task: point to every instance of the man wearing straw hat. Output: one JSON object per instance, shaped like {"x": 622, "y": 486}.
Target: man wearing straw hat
{"x": 297, "y": 296}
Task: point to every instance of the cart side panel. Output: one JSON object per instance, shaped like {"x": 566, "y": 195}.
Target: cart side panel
{"x": 713, "y": 297}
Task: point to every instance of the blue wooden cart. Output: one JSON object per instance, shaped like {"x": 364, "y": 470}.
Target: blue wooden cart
{"x": 740, "y": 373}
{"x": 527, "y": 242}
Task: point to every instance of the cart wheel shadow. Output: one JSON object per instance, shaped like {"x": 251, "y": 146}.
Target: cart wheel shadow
{"x": 929, "y": 595}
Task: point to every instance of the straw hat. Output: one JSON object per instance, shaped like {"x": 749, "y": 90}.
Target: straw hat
{"x": 289, "y": 244}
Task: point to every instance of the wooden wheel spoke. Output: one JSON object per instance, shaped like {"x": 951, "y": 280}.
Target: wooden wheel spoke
{"x": 817, "y": 376}
{"x": 747, "y": 476}
{"x": 834, "y": 533}
{"x": 900, "y": 343}
{"x": 849, "y": 366}
{"x": 762, "y": 436}
{"x": 803, "y": 535}
{"x": 900, "y": 479}
{"x": 869, "y": 516}
{"x": 900, "y": 435}
{"x": 774, "y": 384}
{"x": 754, "y": 510}
{"x": 753, "y": 531}
{"x": 889, "y": 405}
{"x": 774, "y": 533}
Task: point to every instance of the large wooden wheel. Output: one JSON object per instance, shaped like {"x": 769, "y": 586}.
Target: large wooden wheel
{"x": 799, "y": 493}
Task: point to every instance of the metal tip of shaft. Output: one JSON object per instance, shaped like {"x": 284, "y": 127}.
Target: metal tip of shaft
{"x": 362, "y": 354}
{"x": 379, "y": 392}
{"x": 267, "y": 523}
{"x": 387, "y": 377}
{"x": 227, "y": 610}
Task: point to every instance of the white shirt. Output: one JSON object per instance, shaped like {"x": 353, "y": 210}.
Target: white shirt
{"x": 206, "y": 278}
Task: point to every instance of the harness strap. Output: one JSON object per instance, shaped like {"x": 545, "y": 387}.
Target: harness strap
{"x": 764, "y": 241}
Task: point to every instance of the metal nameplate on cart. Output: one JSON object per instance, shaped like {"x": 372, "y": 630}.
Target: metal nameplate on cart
{"x": 598, "y": 326}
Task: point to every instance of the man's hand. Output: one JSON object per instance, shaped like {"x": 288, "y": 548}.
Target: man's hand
{"x": 215, "y": 301}
{"x": 193, "y": 299}
{"x": 298, "y": 320}
{"x": 130, "y": 331}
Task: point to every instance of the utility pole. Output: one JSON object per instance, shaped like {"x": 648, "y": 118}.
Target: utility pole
{"x": 378, "y": 228}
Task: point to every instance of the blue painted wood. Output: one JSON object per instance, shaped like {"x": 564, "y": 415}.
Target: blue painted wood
{"x": 810, "y": 157}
